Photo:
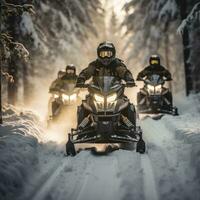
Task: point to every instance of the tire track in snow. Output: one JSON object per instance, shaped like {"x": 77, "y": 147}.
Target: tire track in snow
{"x": 45, "y": 187}
{"x": 150, "y": 192}
{"x": 102, "y": 182}
{"x": 57, "y": 186}
{"x": 164, "y": 156}
{"x": 40, "y": 180}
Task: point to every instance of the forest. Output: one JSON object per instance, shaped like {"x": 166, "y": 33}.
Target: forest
{"x": 40, "y": 38}
{"x": 31, "y": 48}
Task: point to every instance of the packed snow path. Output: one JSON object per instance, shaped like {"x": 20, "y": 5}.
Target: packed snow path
{"x": 162, "y": 173}
{"x": 169, "y": 170}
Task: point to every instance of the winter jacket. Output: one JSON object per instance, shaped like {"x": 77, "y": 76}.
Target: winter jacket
{"x": 116, "y": 68}
{"x": 152, "y": 69}
{"x": 59, "y": 83}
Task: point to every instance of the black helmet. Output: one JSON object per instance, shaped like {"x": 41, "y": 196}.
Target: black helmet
{"x": 70, "y": 69}
{"x": 61, "y": 74}
{"x": 154, "y": 60}
{"x": 106, "y": 52}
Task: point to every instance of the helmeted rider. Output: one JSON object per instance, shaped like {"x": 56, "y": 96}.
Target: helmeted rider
{"x": 154, "y": 68}
{"x": 106, "y": 65}
{"x": 70, "y": 72}
{"x": 63, "y": 76}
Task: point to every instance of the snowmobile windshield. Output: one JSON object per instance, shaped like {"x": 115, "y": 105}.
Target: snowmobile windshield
{"x": 68, "y": 87}
{"x": 106, "y": 83}
{"x": 155, "y": 79}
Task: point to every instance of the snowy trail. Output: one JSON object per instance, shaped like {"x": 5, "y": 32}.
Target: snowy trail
{"x": 150, "y": 189}
{"x": 126, "y": 175}
{"x": 45, "y": 187}
{"x": 165, "y": 155}
{"x": 102, "y": 181}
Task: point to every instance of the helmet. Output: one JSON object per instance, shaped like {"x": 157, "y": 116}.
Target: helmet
{"x": 154, "y": 60}
{"x": 60, "y": 74}
{"x": 70, "y": 69}
{"x": 106, "y": 52}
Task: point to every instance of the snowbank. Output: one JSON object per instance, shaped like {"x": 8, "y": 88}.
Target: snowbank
{"x": 19, "y": 137}
{"x": 186, "y": 127}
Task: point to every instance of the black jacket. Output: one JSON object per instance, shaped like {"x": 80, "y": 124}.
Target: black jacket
{"x": 150, "y": 70}
{"x": 116, "y": 68}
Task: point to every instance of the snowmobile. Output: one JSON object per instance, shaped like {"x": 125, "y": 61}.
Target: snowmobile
{"x": 61, "y": 100}
{"x": 105, "y": 117}
{"x": 154, "y": 98}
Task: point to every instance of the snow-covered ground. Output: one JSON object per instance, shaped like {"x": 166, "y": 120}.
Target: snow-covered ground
{"x": 31, "y": 167}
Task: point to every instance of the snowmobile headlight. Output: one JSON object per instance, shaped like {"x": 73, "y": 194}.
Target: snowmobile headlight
{"x": 98, "y": 98}
{"x": 111, "y": 98}
{"x": 150, "y": 87}
{"x": 73, "y": 97}
{"x": 65, "y": 97}
{"x": 158, "y": 87}
{"x": 55, "y": 96}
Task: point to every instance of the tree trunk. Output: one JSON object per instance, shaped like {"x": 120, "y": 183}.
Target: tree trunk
{"x": 14, "y": 62}
{"x": 1, "y": 118}
{"x": 13, "y": 87}
{"x": 186, "y": 51}
{"x": 1, "y": 61}
{"x": 26, "y": 83}
{"x": 167, "y": 52}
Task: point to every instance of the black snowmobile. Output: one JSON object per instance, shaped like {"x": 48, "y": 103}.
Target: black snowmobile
{"x": 154, "y": 98}
{"x": 106, "y": 117}
{"x": 62, "y": 99}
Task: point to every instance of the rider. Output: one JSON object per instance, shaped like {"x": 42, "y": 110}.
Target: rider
{"x": 154, "y": 68}
{"x": 106, "y": 65}
{"x": 68, "y": 75}
{"x": 63, "y": 78}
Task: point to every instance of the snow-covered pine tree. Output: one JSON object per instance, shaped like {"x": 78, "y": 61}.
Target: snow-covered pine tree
{"x": 55, "y": 35}
{"x": 189, "y": 28}
{"x": 61, "y": 32}
{"x": 151, "y": 28}
{"x": 11, "y": 50}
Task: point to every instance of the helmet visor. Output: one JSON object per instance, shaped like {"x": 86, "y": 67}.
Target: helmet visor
{"x": 70, "y": 71}
{"x": 104, "y": 54}
{"x": 154, "y": 62}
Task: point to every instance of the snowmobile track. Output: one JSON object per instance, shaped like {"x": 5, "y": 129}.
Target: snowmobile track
{"x": 102, "y": 181}
{"x": 150, "y": 192}
{"x": 47, "y": 183}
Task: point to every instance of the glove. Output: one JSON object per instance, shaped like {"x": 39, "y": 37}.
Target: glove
{"x": 168, "y": 79}
{"x": 53, "y": 90}
{"x": 138, "y": 79}
{"x": 80, "y": 85}
{"x": 130, "y": 84}
{"x": 80, "y": 82}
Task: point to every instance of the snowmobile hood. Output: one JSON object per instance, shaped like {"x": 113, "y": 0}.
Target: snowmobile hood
{"x": 69, "y": 88}
{"x": 106, "y": 84}
{"x": 155, "y": 80}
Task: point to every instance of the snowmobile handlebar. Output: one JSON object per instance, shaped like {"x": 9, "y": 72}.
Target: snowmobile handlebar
{"x": 88, "y": 85}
